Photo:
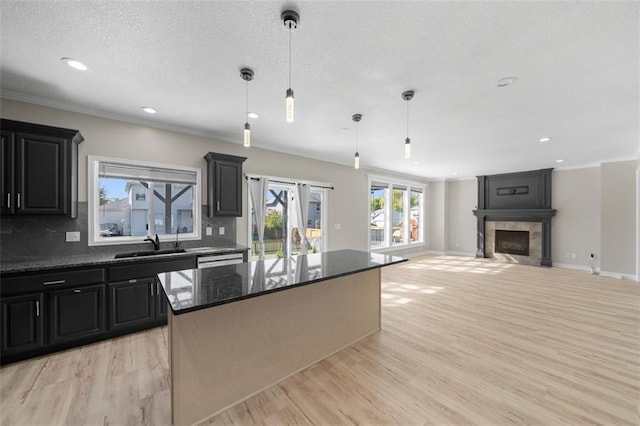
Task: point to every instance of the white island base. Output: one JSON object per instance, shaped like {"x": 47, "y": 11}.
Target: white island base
{"x": 221, "y": 355}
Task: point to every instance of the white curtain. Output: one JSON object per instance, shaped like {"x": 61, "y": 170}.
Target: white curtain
{"x": 257, "y": 189}
{"x": 302, "y": 213}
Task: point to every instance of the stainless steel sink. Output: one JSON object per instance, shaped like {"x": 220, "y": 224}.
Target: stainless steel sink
{"x": 148, "y": 253}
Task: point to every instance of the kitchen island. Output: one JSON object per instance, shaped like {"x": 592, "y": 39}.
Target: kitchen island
{"x": 235, "y": 330}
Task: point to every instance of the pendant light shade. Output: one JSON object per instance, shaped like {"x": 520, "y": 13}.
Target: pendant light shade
{"x": 407, "y": 96}
{"x": 247, "y": 75}
{"x": 291, "y": 20}
{"x": 356, "y": 159}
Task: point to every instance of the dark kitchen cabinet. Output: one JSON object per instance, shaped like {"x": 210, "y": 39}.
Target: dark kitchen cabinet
{"x": 22, "y": 324}
{"x": 224, "y": 184}
{"x": 76, "y": 313}
{"x": 40, "y": 169}
{"x": 132, "y": 303}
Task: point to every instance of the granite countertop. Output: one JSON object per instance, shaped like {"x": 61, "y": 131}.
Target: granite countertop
{"x": 195, "y": 289}
{"x": 101, "y": 259}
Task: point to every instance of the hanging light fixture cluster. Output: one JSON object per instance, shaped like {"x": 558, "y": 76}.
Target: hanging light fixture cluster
{"x": 291, "y": 20}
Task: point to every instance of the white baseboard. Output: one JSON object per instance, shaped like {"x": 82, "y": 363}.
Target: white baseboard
{"x": 619, "y": 276}
{"x": 460, "y": 253}
{"x": 572, "y": 266}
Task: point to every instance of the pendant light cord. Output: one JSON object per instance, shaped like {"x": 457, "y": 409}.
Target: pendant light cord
{"x": 247, "y": 117}
{"x": 356, "y": 136}
{"x": 407, "y": 119}
{"x": 289, "y": 57}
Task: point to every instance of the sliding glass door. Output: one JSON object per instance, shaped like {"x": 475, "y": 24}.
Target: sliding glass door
{"x": 282, "y": 236}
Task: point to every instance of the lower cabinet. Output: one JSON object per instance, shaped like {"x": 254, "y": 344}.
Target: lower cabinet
{"x": 132, "y": 303}
{"x": 22, "y": 324}
{"x": 76, "y": 313}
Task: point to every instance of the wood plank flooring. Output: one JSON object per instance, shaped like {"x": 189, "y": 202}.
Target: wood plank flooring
{"x": 463, "y": 341}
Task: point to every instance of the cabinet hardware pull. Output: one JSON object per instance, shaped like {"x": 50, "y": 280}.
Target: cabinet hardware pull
{"x": 54, "y": 282}
{"x": 152, "y": 286}
{"x": 37, "y": 308}
{"x": 8, "y": 200}
{"x": 218, "y": 206}
{"x": 133, "y": 281}
{"x": 75, "y": 290}
{"x": 18, "y": 200}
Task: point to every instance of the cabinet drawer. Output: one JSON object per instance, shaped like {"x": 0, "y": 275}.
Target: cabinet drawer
{"x": 51, "y": 280}
{"x": 149, "y": 269}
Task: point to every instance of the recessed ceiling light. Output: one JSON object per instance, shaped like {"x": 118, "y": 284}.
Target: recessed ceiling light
{"x": 416, "y": 162}
{"x": 504, "y": 82}
{"x": 252, "y": 115}
{"x": 545, "y": 139}
{"x": 559, "y": 161}
{"x": 75, "y": 64}
{"x": 149, "y": 110}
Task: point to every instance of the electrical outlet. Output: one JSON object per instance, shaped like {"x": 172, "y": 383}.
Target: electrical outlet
{"x": 337, "y": 226}
{"x": 573, "y": 255}
{"x": 221, "y": 230}
{"x": 209, "y": 230}
{"x": 458, "y": 244}
{"x": 72, "y": 237}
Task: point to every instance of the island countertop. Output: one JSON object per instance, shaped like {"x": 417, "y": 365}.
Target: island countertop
{"x": 195, "y": 289}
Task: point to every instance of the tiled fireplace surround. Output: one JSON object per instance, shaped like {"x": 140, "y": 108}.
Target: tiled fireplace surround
{"x": 535, "y": 241}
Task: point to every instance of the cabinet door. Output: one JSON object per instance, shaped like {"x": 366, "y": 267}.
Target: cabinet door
{"x": 41, "y": 174}
{"x": 132, "y": 303}
{"x": 76, "y": 313}
{"x": 6, "y": 175}
{"x": 228, "y": 175}
{"x": 22, "y": 323}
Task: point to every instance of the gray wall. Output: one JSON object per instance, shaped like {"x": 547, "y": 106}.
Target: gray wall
{"x": 436, "y": 215}
{"x": 347, "y": 205}
{"x": 462, "y": 224}
{"x": 619, "y": 217}
{"x": 576, "y": 226}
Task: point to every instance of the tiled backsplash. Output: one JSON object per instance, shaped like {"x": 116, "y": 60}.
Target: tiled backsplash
{"x": 24, "y": 237}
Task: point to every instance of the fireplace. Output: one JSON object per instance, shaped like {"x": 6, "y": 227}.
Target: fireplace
{"x": 512, "y": 242}
{"x": 514, "y": 217}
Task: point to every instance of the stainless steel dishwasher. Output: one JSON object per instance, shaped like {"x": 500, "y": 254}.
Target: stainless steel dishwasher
{"x": 222, "y": 259}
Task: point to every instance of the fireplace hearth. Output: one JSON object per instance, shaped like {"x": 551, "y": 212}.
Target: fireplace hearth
{"x": 512, "y": 242}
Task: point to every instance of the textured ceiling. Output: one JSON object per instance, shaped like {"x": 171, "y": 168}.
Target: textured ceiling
{"x": 577, "y": 65}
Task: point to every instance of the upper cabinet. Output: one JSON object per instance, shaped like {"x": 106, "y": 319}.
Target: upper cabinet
{"x": 224, "y": 184}
{"x": 39, "y": 169}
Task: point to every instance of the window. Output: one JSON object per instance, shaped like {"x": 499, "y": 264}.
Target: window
{"x": 129, "y": 200}
{"x": 395, "y": 210}
{"x": 281, "y": 233}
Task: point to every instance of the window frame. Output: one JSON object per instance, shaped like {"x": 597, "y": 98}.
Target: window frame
{"x": 409, "y": 187}
{"x": 93, "y": 197}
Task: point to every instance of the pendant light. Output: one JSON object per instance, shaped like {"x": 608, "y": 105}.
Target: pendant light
{"x": 407, "y": 96}
{"x": 356, "y": 159}
{"x": 290, "y": 19}
{"x": 247, "y": 75}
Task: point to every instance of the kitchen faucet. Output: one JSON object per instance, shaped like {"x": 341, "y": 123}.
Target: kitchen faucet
{"x": 156, "y": 242}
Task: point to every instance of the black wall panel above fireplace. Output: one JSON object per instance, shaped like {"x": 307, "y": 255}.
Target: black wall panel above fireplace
{"x": 522, "y": 190}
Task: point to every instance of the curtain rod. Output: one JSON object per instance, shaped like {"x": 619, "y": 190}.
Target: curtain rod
{"x": 291, "y": 183}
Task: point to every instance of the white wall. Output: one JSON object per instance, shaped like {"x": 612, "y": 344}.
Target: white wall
{"x": 576, "y": 226}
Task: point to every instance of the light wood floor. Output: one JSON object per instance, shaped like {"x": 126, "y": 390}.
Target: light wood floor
{"x": 464, "y": 341}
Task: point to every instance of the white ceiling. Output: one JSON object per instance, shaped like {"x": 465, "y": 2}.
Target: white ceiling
{"x": 577, "y": 65}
